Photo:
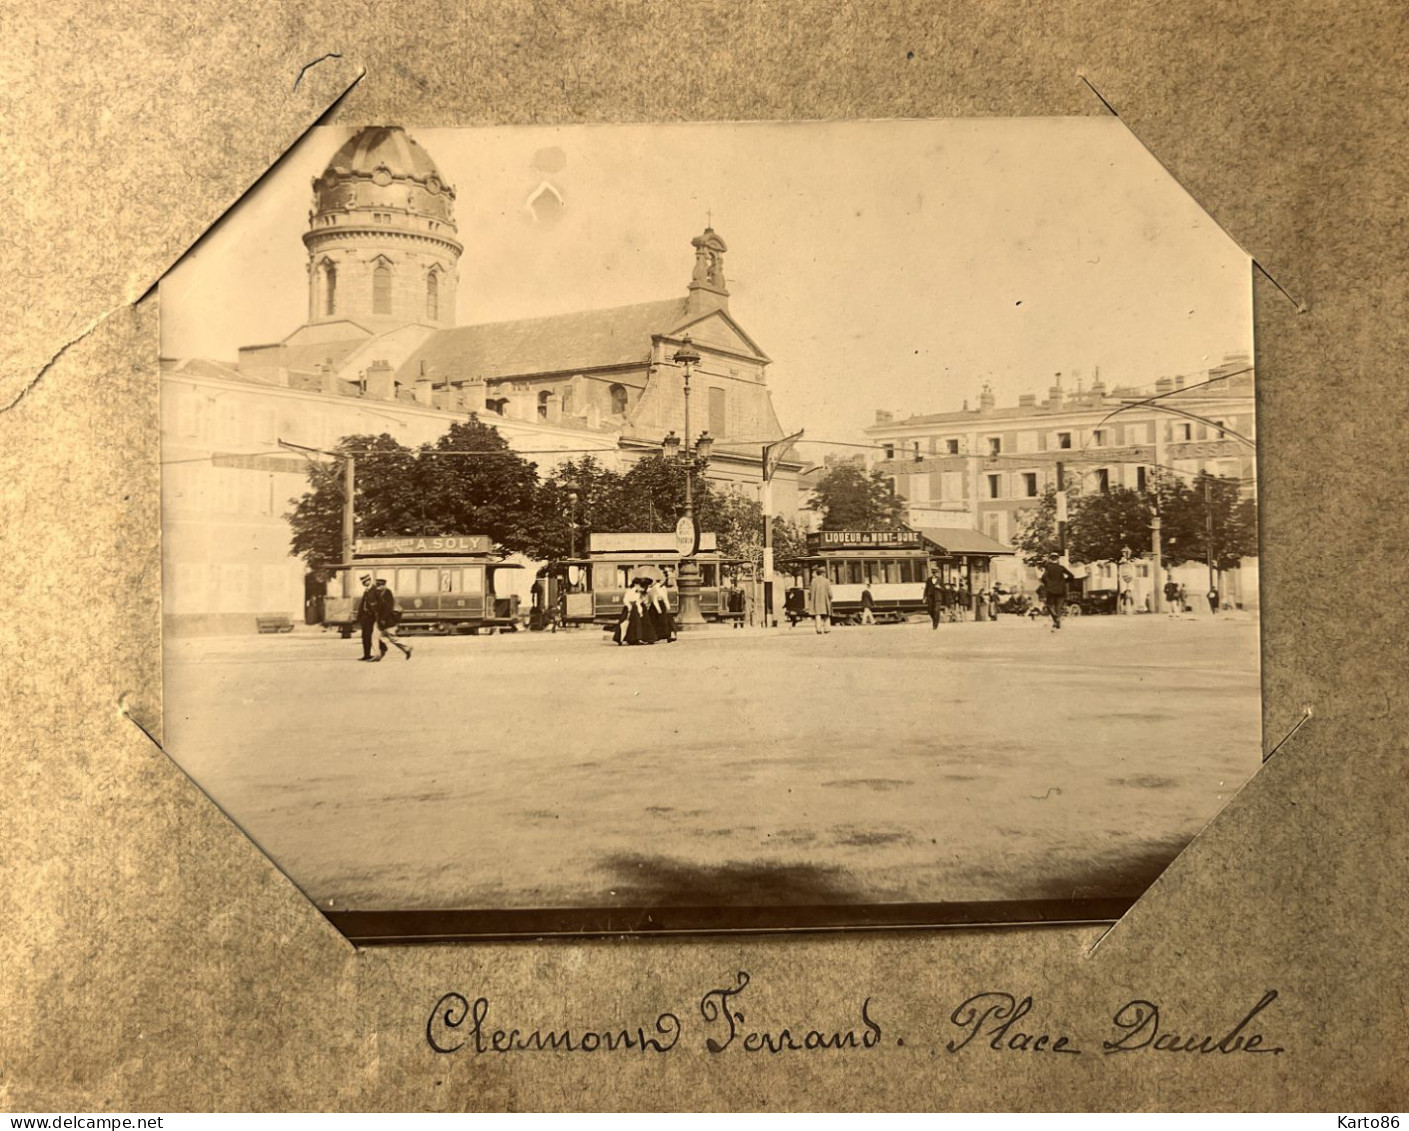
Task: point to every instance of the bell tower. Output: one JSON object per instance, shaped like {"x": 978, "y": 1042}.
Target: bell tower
{"x": 381, "y": 235}
{"x": 708, "y": 290}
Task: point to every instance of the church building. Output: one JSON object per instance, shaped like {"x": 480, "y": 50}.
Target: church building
{"x": 380, "y": 351}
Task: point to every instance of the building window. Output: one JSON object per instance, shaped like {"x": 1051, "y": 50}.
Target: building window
{"x": 888, "y": 451}
{"x": 330, "y": 288}
{"x": 951, "y": 447}
{"x": 618, "y": 395}
{"x": 995, "y": 445}
{"x": 1064, "y": 439}
{"x": 1103, "y": 480}
{"x": 717, "y": 419}
{"x": 433, "y": 295}
{"x": 1030, "y": 484}
{"x": 1186, "y": 431}
{"x": 1219, "y": 425}
{"x": 1141, "y": 483}
{"x": 496, "y": 405}
{"x": 1098, "y": 438}
{"x": 381, "y": 289}
{"x": 995, "y": 487}
{"x": 543, "y": 405}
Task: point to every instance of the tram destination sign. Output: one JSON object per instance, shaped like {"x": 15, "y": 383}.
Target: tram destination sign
{"x": 446, "y": 544}
{"x": 863, "y": 540}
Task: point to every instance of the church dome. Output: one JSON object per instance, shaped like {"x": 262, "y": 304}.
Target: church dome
{"x": 376, "y": 147}
{"x": 383, "y": 167}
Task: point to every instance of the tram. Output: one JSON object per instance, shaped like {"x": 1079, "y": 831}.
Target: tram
{"x": 591, "y": 590}
{"x": 894, "y": 563}
{"x": 443, "y": 585}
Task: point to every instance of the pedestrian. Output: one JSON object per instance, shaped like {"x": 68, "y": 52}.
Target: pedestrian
{"x": 1184, "y": 599}
{"x": 868, "y": 605}
{"x": 388, "y": 617}
{"x": 736, "y": 602}
{"x": 658, "y": 608}
{"x": 821, "y": 601}
{"x": 1213, "y": 600}
{"x": 934, "y": 597}
{"x": 367, "y": 609}
{"x": 993, "y": 605}
{"x": 1171, "y": 595}
{"x": 1055, "y": 579}
{"x": 636, "y": 625}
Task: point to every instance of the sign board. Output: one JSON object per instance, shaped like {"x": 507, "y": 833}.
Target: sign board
{"x": 447, "y": 544}
{"x": 687, "y": 537}
{"x": 643, "y": 543}
{"x": 863, "y": 540}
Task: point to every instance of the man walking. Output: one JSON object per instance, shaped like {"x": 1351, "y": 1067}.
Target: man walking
{"x": 934, "y": 597}
{"x": 1171, "y": 597}
{"x": 387, "y": 619}
{"x": 868, "y": 605}
{"x": 367, "y": 611}
{"x": 821, "y": 601}
{"x": 1055, "y": 579}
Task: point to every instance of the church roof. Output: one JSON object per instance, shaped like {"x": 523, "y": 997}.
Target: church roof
{"x": 587, "y": 339}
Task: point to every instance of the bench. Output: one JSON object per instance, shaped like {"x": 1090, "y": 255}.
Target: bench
{"x": 274, "y": 624}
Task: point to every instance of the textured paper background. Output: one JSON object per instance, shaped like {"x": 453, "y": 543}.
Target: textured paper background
{"x": 152, "y": 958}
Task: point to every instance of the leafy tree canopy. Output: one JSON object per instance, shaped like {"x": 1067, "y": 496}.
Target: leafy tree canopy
{"x": 851, "y": 498}
{"x": 1101, "y": 524}
{"x": 448, "y": 487}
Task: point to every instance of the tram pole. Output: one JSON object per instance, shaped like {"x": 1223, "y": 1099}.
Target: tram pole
{"x": 349, "y": 478}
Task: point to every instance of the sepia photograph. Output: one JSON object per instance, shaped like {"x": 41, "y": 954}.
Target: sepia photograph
{"x": 752, "y": 526}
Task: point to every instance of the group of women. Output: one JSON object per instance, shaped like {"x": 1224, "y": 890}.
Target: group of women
{"x": 645, "y": 614}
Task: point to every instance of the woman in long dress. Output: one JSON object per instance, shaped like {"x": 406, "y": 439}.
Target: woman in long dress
{"x": 637, "y": 624}
{"x": 658, "y": 602}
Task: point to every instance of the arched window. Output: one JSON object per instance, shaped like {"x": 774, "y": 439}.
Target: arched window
{"x": 381, "y": 289}
{"x": 330, "y": 288}
{"x": 433, "y": 295}
{"x": 543, "y": 405}
{"x": 618, "y": 393}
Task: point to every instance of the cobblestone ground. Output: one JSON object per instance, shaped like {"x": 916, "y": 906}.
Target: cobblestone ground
{"x": 895, "y": 763}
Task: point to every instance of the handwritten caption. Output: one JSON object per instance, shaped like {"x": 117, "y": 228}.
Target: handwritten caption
{"x": 992, "y": 1021}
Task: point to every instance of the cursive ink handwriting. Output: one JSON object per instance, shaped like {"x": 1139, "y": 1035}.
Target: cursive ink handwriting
{"x": 446, "y": 1032}
{"x": 1000, "y": 1012}
{"x": 718, "y": 1005}
{"x": 1141, "y": 1023}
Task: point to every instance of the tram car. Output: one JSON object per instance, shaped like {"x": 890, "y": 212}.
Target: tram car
{"x": 894, "y": 563}
{"x": 590, "y": 590}
{"x": 442, "y": 585}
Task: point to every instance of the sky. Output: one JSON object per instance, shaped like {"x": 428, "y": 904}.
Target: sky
{"x": 881, "y": 265}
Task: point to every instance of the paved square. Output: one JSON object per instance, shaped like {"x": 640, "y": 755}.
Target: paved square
{"x": 895, "y": 763}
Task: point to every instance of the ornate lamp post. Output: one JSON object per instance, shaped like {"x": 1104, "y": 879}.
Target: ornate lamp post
{"x": 686, "y": 532}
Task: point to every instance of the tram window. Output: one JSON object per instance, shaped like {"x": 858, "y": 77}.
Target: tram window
{"x": 623, "y": 576}
{"x": 892, "y": 573}
{"x": 472, "y": 579}
{"x": 405, "y": 581}
{"x": 428, "y": 581}
{"x": 853, "y": 573}
{"x": 835, "y": 572}
{"x": 709, "y": 574}
{"x": 449, "y": 580}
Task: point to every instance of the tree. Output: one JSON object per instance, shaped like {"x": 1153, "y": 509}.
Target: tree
{"x": 850, "y": 498}
{"x": 1101, "y": 525}
{"x": 1105, "y": 524}
{"x": 789, "y": 539}
{"x": 448, "y": 487}
{"x": 1184, "y": 512}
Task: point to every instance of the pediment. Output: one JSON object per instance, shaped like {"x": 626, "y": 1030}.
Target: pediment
{"x": 716, "y": 328}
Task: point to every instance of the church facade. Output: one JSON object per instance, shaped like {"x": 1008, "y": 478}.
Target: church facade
{"x": 380, "y": 351}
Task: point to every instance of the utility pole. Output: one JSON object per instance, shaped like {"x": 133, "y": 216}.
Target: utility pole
{"x": 1156, "y": 565}
{"x": 349, "y": 480}
{"x": 1208, "y": 528}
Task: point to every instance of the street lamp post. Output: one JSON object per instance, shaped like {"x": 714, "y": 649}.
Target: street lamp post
{"x": 687, "y": 532}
